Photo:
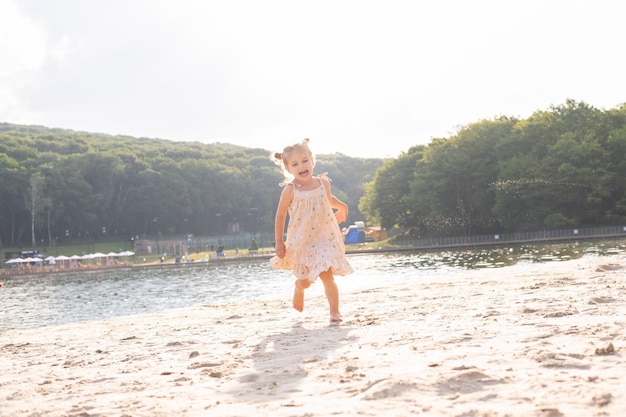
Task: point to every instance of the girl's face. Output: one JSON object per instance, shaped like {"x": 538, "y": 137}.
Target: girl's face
{"x": 300, "y": 165}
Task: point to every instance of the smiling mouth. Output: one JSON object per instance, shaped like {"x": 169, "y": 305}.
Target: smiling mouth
{"x": 304, "y": 173}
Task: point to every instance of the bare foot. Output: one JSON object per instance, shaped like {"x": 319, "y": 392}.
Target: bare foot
{"x": 298, "y": 299}
{"x": 335, "y": 318}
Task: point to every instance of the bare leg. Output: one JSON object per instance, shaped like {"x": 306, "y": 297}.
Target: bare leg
{"x": 332, "y": 294}
{"x": 298, "y": 293}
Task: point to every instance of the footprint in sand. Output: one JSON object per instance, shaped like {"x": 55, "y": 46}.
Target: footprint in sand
{"x": 607, "y": 350}
{"x": 602, "y": 399}
{"x": 609, "y": 267}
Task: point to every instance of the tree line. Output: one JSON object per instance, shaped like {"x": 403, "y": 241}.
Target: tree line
{"x": 60, "y": 186}
{"x": 559, "y": 168}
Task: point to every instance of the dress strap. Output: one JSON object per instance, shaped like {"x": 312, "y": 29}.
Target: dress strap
{"x": 325, "y": 175}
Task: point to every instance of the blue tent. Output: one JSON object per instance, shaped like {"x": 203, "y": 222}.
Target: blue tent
{"x": 355, "y": 233}
{"x": 352, "y": 235}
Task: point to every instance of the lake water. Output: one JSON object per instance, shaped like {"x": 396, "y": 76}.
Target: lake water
{"x": 36, "y": 301}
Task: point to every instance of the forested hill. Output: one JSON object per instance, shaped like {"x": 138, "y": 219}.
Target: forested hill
{"x": 61, "y": 184}
{"x": 560, "y": 168}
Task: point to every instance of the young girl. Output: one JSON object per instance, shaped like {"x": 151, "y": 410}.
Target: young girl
{"x": 314, "y": 245}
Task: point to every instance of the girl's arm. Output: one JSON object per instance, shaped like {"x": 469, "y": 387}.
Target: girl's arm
{"x": 281, "y": 216}
{"x": 342, "y": 208}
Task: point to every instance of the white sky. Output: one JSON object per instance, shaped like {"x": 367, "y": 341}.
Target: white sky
{"x": 365, "y": 78}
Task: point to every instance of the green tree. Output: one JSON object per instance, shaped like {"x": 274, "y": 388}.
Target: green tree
{"x": 13, "y": 182}
{"x": 553, "y": 169}
{"x": 385, "y": 200}
{"x": 33, "y": 202}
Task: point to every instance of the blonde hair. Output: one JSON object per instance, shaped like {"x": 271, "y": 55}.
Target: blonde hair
{"x": 281, "y": 158}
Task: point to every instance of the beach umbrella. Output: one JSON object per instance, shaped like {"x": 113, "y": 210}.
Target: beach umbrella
{"x": 13, "y": 261}
{"x": 98, "y": 257}
{"x": 62, "y": 258}
{"x": 30, "y": 259}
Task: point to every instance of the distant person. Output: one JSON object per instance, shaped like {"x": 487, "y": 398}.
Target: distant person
{"x": 254, "y": 247}
{"x": 314, "y": 245}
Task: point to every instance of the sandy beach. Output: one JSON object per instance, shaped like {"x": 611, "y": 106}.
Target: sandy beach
{"x": 534, "y": 339}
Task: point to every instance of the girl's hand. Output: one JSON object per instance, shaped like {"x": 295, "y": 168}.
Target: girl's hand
{"x": 341, "y": 214}
{"x": 281, "y": 250}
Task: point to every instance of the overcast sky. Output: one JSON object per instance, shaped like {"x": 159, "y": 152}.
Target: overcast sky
{"x": 365, "y": 78}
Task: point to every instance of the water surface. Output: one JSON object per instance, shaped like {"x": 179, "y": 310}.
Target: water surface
{"x": 42, "y": 300}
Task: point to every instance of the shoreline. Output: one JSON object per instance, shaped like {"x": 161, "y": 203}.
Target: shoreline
{"x": 9, "y": 272}
{"x": 541, "y": 339}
